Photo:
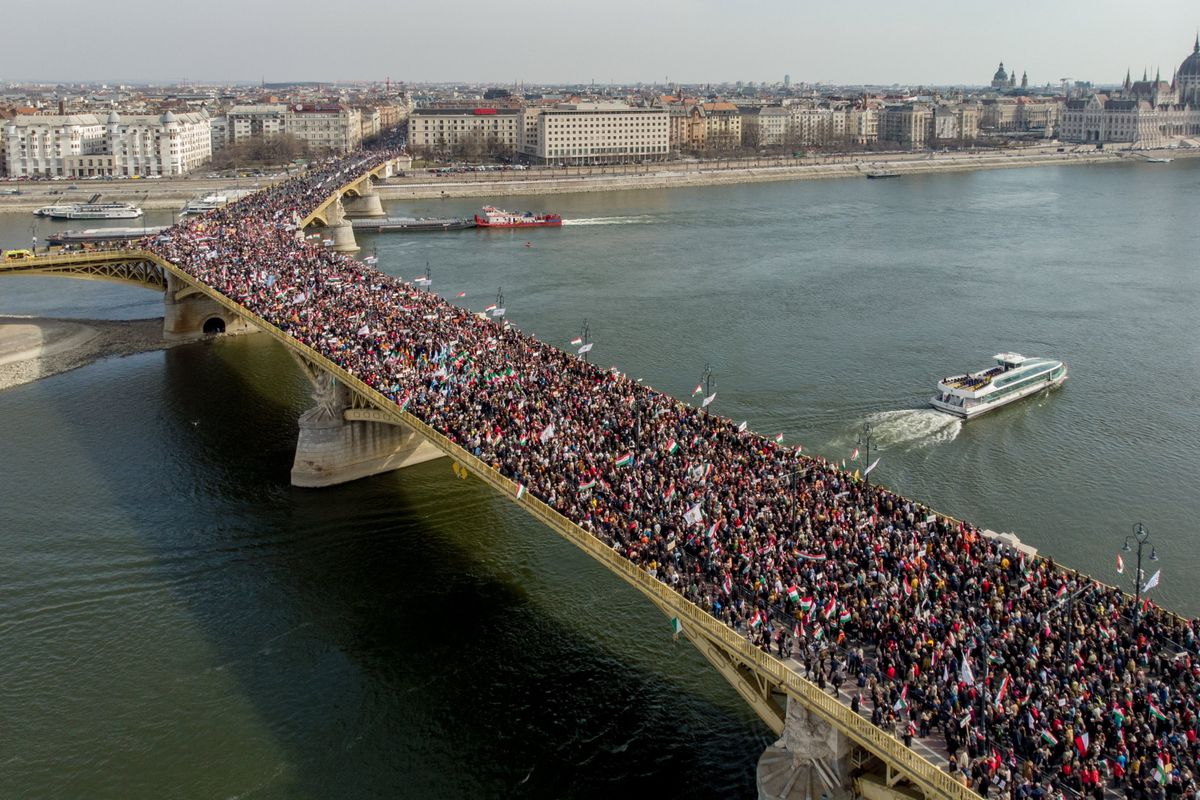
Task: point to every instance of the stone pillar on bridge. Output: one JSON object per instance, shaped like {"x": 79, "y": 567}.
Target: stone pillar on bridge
{"x": 189, "y": 313}
{"x": 339, "y": 232}
{"x": 332, "y": 449}
{"x": 366, "y": 204}
{"x": 810, "y": 761}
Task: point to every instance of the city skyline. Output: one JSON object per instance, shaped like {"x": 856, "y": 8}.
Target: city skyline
{"x": 676, "y": 41}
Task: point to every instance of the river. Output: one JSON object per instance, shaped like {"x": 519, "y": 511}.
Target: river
{"x": 177, "y": 621}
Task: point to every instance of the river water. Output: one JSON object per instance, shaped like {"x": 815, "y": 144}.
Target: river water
{"x": 177, "y": 621}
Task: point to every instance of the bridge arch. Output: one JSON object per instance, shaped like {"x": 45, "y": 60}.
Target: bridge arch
{"x": 213, "y": 326}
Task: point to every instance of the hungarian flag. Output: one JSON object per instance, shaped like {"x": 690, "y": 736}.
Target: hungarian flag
{"x": 844, "y": 617}
{"x": 1120, "y": 565}
{"x": 793, "y": 594}
{"x": 1048, "y": 738}
{"x": 854, "y": 454}
{"x": 1157, "y": 713}
{"x": 902, "y": 701}
{"x": 827, "y": 611}
{"x": 1118, "y": 717}
{"x": 585, "y": 485}
{"x": 778, "y": 438}
{"x": 520, "y": 490}
{"x": 756, "y": 620}
{"x": 625, "y": 460}
{"x": 1081, "y": 743}
{"x": 1162, "y": 771}
{"x": 712, "y": 530}
{"x": 576, "y": 341}
{"x": 672, "y": 446}
{"x": 806, "y": 604}
{"x": 1002, "y": 691}
{"x": 669, "y": 493}
{"x": 1061, "y": 593}
{"x": 698, "y": 390}
{"x": 492, "y": 307}
{"x": 727, "y": 585}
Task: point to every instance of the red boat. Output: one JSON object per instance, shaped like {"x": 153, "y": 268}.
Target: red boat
{"x": 493, "y": 217}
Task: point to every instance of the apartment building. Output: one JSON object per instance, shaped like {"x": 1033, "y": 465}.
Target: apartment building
{"x": 594, "y": 133}
{"x": 453, "y": 130}
{"x": 80, "y": 145}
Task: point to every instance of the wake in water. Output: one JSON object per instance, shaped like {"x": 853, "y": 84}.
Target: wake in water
{"x": 641, "y": 219}
{"x": 915, "y": 427}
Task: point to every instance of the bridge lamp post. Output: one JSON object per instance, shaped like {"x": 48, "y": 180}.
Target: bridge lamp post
{"x": 708, "y": 382}
{"x": 864, "y": 441}
{"x": 1142, "y": 537}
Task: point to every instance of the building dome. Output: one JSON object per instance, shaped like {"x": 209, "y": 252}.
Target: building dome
{"x": 113, "y": 118}
{"x": 167, "y": 117}
{"x": 1000, "y": 75}
{"x": 1190, "y": 68}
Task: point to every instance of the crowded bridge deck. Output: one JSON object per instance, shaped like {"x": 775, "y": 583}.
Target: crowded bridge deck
{"x": 777, "y": 565}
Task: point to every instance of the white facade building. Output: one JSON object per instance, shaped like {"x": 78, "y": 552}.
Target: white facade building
{"x": 594, "y": 133}
{"x": 80, "y": 145}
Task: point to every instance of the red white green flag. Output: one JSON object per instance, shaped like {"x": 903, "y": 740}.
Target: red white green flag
{"x": 793, "y": 594}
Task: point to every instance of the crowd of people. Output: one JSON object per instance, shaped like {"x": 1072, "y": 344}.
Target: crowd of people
{"x": 1037, "y": 679}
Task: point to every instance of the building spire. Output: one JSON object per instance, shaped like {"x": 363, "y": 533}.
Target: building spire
{"x": 1128, "y": 79}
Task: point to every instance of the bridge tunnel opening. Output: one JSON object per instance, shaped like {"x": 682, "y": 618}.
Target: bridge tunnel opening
{"x": 213, "y": 326}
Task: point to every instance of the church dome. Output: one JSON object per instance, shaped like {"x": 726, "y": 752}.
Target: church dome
{"x": 1000, "y": 75}
{"x": 1191, "y": 65}
{"x": 113, "y": 118}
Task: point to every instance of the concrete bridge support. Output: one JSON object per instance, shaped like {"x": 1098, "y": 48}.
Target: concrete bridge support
{"x": 189, "y": 314}
{"x": 809, "y": 762}
{"x": 339, "y": 442}
{"x": 366, "y": 204}
{"x": 339, "y": 230}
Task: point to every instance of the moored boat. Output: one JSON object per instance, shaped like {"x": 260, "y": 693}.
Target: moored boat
{"x": 883, "y": 173}
{"x": 493, "y": 217}
{"x": 1014, "y": 376}
{"x": 91, "y": 211}
{"x": 213, "y": 200}
{"x": 412, "y": 224}
{"x": 102, "y": 235}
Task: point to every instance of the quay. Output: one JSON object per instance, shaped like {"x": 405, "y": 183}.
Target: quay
{"x": 790, "y": 575}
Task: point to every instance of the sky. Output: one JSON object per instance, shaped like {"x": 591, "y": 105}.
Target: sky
{"x": 920, "y": 42}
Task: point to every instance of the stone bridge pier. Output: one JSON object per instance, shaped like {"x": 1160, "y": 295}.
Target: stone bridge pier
{"x": 339, "y": 230}
{"x": 343, "y": 439}
{"x": 810, "y": 761}
{"x": 188, "y": 313}
{"x": 366, "y": 203}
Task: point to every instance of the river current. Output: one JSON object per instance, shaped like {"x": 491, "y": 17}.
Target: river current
{"x": 177, "y": 621}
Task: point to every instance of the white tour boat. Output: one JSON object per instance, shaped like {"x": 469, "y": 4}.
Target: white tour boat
{"x": 214, "y": 200}
{"x": 91, "y": 211}
{"x": 1013, "y": 377}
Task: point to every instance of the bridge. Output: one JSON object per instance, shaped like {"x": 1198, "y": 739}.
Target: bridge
{"x": 383, "y": 380}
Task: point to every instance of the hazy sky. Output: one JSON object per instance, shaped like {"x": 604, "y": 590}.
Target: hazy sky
{"x": 851, "y": 41}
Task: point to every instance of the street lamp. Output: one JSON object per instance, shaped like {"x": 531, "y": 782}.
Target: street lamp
{"x": 864, "y": 441}
{"x": 1142, "y": 537}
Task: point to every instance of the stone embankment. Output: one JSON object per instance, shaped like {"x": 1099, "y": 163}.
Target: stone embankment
{"x": 669, "y": 176}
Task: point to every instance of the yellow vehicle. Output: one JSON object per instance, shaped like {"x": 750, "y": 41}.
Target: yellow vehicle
{"x": 17, "y": 255}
